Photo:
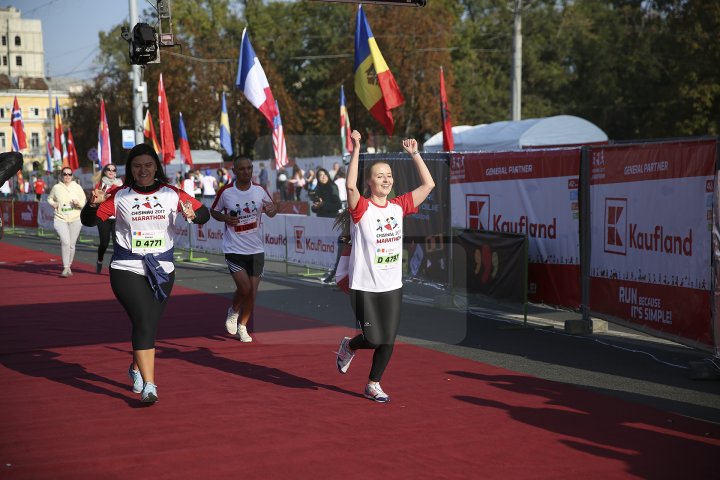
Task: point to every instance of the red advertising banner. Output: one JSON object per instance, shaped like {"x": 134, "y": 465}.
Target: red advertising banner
{"x": 680, "y": 313}
{"x": 651, "y": 214}
{"x": 533, "y": 193}
{"x": 25, "y": 214}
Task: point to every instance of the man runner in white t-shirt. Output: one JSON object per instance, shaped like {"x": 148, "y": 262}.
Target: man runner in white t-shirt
{"x": 240, "y": 206}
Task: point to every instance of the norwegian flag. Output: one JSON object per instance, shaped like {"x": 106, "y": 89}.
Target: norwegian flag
{"x": 279, "y": 146}
{"x": 19, "y": 141}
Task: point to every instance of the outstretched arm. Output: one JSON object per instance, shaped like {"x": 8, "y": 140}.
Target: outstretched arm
{"x": 353, "y": 195}
{"x": 426, "y": 181}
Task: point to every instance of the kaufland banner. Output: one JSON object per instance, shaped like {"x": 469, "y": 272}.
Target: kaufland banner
{"x": 310, "y": 241}
{"x": 533, "y": 193}
{"x": 651, "y": 216}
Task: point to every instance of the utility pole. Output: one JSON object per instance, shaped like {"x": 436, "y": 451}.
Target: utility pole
{"x": 137, "y": 86}
{"x": 517, "y": 62}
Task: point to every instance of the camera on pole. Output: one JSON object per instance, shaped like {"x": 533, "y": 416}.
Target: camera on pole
{"x": 143, "y": 43}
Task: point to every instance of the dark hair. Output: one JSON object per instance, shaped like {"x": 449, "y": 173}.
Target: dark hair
{"x": 327, "y": 174}
{"x": 104, "y": 169}
{"x": 136, "y": 151}
{"x": 340, "y": 173}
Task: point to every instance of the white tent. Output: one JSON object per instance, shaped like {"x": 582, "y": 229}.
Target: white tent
{"x": 531, "y": 133}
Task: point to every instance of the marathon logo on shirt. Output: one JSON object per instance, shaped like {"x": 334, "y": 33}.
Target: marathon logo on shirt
{"x": 147, "y": 208}
{"x": 387, "y": 231}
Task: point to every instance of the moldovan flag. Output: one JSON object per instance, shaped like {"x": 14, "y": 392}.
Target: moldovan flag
{"x": 225, "y": 140}
{"x": 19, "y": 141}
{"x": 149, "y": 132}
{"x": 103, "y": 148}
{"x": 279, "y": 146}
{"x": 59, "y": 152}
{"x": 184, "y": 143}
{"x": 166, "y": 133}
{"x": 448, "y": 141}
{"x": 252, "y": 81}
{"x": 374, "y": 83}
{"x": 73, "y": 161}
{"x": 344, "y": 125}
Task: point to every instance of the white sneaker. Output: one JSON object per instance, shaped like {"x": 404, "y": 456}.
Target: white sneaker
{"x": 149, "y": 393}
{"x": 242, "y": 334}
{"x": 231, "y": 321}
{"x": 374, "y": 392}
{"x": 344, "y": 355}
{"x": 66, "y": 273}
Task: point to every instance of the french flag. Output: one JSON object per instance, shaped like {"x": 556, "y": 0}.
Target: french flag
{"x": 252, "y": 81}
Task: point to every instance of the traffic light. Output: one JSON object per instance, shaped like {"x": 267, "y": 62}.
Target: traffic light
{"x": 143, "y": 43}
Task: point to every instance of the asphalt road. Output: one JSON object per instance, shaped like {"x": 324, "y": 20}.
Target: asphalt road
{"x": 620, "y": 363}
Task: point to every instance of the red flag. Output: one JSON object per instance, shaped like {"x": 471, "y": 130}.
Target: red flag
{"x": 19, "y": 141}
{"x": 73, "y": 161}
{"x": 149, "y": 132}
{"x": 448, "y": 141}
{"x": 184, "y": 143}
{"x": 104, "y": 155}
{"x": 166, "y": 133}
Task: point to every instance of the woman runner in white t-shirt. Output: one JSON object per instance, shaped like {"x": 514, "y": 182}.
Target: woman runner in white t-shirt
{"x": 375, "y": 274}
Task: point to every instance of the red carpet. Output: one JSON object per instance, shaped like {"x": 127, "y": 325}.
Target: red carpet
{"x": 277, "y": 408}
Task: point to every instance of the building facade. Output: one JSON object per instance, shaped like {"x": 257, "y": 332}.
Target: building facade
{"x": 21, "y": 44}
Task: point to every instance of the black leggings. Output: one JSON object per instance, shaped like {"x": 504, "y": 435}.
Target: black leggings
{"x": 104, "y": 230}
{"x": 135, "y": 295}
{"x": 378, "y": 314}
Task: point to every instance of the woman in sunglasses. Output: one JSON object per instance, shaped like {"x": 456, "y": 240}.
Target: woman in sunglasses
{"x": 67, "y": 198}
{"x": 108, "y": 182}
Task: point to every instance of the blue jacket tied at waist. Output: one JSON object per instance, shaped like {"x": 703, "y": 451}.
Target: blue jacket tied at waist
{"x": 155, "y": 273}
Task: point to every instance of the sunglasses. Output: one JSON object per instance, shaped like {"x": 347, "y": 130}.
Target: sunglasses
{"x": 67, "y": 174}
{"x": 111, "y": 170}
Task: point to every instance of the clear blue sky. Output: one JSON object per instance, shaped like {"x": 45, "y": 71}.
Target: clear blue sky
{"x": 70, "y": 30}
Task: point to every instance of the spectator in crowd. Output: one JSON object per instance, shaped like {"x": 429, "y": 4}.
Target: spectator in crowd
{"x": 326, "y": 201}
{"x": 297, "y": 180}
{"x": 188, "y": 184}
{"x": 38, "y": 187}
{"x": 334, "y": 170}
{"x": 342, "y": 188}
{"x": 263, "y": 177}
{"x": 209, "y": 185}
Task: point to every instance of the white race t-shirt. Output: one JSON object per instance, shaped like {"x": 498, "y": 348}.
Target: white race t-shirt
{"x": 143, "y": 221}
{"x": 377, "y": 237}
{"x": 246, "y": 237}
{"x": 209, "y": 184}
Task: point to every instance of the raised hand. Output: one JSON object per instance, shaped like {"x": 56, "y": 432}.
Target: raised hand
{"x": 410, "y": 145}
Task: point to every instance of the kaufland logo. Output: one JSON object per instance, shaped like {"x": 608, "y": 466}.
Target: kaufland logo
{"x": 299, "y": 244}
{"x": 616, "y": 225}
{"x": 478, "y": 211}
{"x": 621, "y": 235}
{"x": 205, "y": 234}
